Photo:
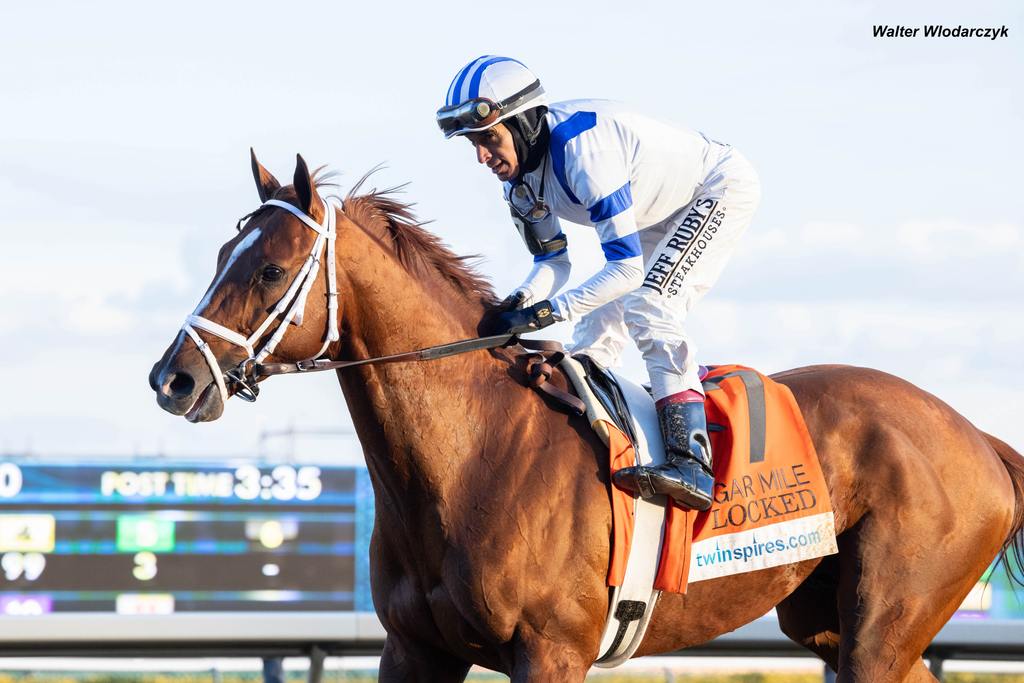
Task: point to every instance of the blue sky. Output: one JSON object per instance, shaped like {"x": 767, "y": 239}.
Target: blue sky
{"x": 891, "y": 233}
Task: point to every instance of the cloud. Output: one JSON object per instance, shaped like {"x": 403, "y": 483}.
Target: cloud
{"x": 822, "y": 293}
{"x": 870, "y": 247}
{"x": 970, "y": 360}
{"x": 937, "y": 303}
{"x": 949, "y": 263}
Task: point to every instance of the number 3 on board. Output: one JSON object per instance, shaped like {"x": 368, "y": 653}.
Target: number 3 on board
{"x": 145, "y": 566}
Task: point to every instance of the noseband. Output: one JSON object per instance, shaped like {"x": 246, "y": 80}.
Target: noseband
{"x": 291, "y": 305}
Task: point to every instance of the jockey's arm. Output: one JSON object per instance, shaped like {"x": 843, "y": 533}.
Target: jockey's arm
{"x": 601, "y": 183}
{"x": 617, "y": 278}
{"x": 551, "y": 268}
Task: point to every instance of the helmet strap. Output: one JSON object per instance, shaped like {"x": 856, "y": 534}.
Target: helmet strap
{"x": 530, "y": 136}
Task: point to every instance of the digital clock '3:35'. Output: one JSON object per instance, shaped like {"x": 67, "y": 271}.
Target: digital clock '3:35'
{"x": 284, "y": 482}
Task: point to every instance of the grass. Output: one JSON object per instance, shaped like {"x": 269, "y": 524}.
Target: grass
{"x": 368, "y": 677}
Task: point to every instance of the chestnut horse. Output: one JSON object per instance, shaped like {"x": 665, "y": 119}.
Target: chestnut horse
{"x": 492, "y": 527}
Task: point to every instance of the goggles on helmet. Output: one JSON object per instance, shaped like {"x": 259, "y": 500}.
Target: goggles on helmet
{"x": 481, "y": 113}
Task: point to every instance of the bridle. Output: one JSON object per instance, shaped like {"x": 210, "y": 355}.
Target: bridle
{"x": 243, "y": 377}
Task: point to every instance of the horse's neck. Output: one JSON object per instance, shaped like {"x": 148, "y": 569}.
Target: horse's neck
{"x": 390, "y": 309}
{"x": 418, "y": 422}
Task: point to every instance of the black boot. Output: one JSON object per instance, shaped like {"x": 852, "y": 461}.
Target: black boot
{"x": 686, "y": 473}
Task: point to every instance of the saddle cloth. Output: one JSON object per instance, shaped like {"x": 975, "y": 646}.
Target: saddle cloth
{"x": 771, "y": 502}
{"x": 771, "y": 505}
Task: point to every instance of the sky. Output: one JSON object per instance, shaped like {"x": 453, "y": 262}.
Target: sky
{"x": 890, "y": 234}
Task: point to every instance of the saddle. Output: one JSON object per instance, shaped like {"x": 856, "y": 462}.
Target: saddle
{"x": 607, "y": 390}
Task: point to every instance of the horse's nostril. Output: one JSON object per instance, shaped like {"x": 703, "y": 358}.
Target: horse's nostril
{"x": 182, "y": 385}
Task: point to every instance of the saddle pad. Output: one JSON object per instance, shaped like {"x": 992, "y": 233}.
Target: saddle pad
{"x": 771, "y": 501}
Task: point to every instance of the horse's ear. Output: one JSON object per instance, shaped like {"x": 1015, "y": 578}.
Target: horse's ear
{"x": 266, "y": 184}
{"x": 303, "y": 184}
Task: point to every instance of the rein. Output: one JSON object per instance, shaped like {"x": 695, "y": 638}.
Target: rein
{"x": 539, "y": 367}
{"x": 245, "y": 377}
{"x": 262, "y": 370}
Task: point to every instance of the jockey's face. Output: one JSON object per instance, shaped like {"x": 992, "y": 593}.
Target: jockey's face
{"x": 495, "y": 148}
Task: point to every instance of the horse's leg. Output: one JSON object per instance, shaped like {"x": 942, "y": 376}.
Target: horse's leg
{"x": 809, "y": 615}
{"x": 896, "y": 593}
{"x": 919, "y": 673}
{"x": 875, "y": 611}
{"x": 538, "y": 660}
{"x": 923, "y": 504}
{"x": 543, "y": 672}
{"x": 405, "y": 662}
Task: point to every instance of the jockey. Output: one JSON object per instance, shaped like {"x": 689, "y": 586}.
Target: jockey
{"x": 668, "y": 205}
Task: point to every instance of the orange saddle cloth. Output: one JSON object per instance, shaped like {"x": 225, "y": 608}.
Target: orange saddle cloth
{"x": 771, "y": 505}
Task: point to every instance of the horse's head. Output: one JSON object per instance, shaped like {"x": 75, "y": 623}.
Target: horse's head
{"x": 267, "y": 283}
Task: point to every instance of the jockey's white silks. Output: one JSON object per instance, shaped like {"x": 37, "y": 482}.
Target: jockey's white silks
{"x": 684, "y": 256}
{"x": 668, "y": 205}
{"x": 291, "y": 306}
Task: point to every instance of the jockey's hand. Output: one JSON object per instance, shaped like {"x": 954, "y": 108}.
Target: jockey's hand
{"x": 521, "y": 320}
{"x": 514, "y": 301}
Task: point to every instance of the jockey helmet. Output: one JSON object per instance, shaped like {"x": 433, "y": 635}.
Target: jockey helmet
{"x": 487, "y": 91}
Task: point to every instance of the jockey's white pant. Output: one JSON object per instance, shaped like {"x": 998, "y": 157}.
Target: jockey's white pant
{"x": 683, "y": 257}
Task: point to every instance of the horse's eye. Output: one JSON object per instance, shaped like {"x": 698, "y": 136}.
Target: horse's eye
{"x": 272, "y": 274}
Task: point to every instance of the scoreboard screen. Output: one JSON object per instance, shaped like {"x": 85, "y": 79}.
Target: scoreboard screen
{"x": 170, "y": 551}
{"x": 166, "y": 537}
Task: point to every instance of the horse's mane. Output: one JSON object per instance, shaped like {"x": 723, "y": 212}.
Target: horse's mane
{"x": 393, "y": 224}
{"x": 418, "y": 250}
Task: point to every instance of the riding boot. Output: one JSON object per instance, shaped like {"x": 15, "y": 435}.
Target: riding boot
{"x": 685, "y": 475}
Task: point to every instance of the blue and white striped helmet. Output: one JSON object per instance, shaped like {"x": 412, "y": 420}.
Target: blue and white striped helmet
{"x": 486, "y": 91}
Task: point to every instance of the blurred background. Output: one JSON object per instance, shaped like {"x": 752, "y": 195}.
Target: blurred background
{"x": 890, "y": 233}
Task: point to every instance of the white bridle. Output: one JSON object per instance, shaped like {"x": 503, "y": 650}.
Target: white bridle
{"x": 291, "y": 305}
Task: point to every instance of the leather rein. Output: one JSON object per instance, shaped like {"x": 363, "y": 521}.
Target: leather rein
{"x": 245, "y": 377}
{"x": 262, "y": 370}
{"x": 539, "y": 365}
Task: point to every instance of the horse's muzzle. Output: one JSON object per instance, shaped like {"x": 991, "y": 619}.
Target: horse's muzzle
{"x": 180, "y": 392}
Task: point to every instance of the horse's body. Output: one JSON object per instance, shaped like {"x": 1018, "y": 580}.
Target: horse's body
{"x": 492, "y": 527}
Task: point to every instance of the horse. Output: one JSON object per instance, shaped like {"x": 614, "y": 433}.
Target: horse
{"x": 492, "y": 519}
